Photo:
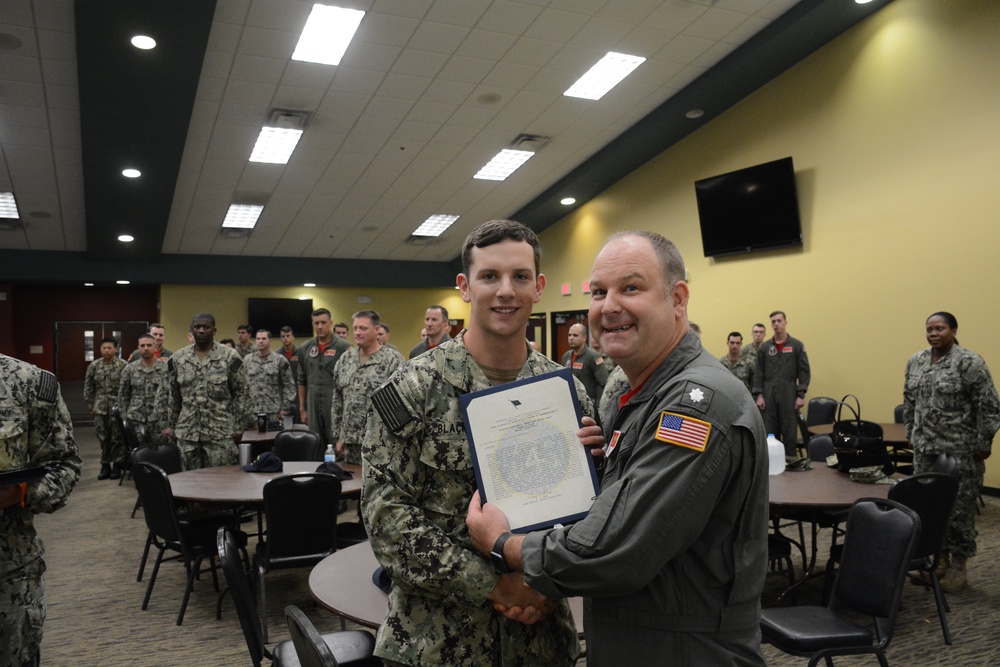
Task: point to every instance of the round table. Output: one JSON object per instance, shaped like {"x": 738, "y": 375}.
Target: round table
{"x": 821, "y": 488}
{"x": 342, "y": 583}
{"x": 231, "y": 485}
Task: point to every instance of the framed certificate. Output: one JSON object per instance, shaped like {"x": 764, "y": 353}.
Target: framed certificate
{"x": 527, "y": 458}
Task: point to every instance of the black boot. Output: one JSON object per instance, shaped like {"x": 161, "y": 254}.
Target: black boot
{"x": 105, "y": 471}
{"x": 116, "y": 471}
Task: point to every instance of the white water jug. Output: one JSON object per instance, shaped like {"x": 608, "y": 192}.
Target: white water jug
{"x": 775, "y": 455}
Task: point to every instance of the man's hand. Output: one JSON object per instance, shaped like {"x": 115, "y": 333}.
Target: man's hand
{"x": 591, "y": 435}
{"x": 341, "y": 447}
{"x": 303, "y": 416}
{"x": 485, "y": 523}
{"x": 760, "y": 402}
{"x": 799, "y": 402}
{"x": 519, "y": 602}
{"x": 169, "y": 432}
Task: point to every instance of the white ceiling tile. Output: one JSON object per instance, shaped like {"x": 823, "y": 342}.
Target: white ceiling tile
{"x": 16, "y": 13}
{"x": 487, "y": 45}
{"x": 404, "y": 86}
{"x": 350, "y": 80}
{"x": 715, "y": 24}
{"x": 217, "y": 64}
{"x": 419, "y": 63}
{"x": 457, "y": 12}
{"x": 509, "y": 75}
{"x": 746, "y": 30}
{"x": 267, "y": 43}
{"x": 776, "y": 8}
{"x": 278, "y": 14}
{"x": 224, "y": 36}
{"x": 684, "y": 49}
{"x": 60, "y": 97}
{"x": 378, "y": 28}
{"x": 293, "y": 97}
{"x": 248, "y": 93}
{"x": 465, "y": 69}
{"x": 20, "y": 68}
{"x": 54, "y": 15}
{"x": 307, "y": 75}
{"x": 59, "y": 72}
{"x": 509, "y": 17}
{"x": 438, "y": 37}
{"x": 256, "y": 69}
{"x": 369, "y": 57}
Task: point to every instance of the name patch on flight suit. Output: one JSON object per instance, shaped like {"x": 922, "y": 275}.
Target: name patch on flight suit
{"x": 683, "y": 431}
{"x": 615, "y": 437}
{"x": 577, "y": 366}
{"x": 329, "y": 352}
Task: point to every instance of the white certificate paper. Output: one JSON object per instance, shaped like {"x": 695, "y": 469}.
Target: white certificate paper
{"x": 528, "y": 459}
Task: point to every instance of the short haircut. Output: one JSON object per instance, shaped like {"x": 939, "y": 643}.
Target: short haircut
{"x": 245, "y": 327}
{"x": 109, "y": 339}
{"x": 370, "y": 314}
{"x": 385, "y": 326}
{"x": 759, "y": 325}
{"x": 779, "y": 312}
{"x": 264, "y": 331}
{"x": 322, "y": 311}
{"x": 671, "y": 261}
{"x": 146, "y": 335}
{"x": 287, "y": 329}
{"x": 586, "y": 332}
{"x": 227, "y": 340}
{"x": 734, "y": 333}
{"x": 155, "y": 325}
{"x": 444, "y": 311}
{"x": 947, "y": 317}
{"x": 495, "y": 231}
{"x": 341, "y": 325}
{"x": 203, "y": 316}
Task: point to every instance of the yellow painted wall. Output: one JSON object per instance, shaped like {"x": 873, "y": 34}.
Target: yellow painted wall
{"x": 895, "y": 133}
{"x": 403, "y": 310}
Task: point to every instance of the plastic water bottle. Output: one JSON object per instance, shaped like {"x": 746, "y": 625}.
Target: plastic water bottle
{"x": 330, "y": 456}
{"x": 775, "y": 455}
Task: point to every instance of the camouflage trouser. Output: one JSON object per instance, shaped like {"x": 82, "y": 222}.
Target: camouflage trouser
{"x": 352, "y": 453}
{"x": 207, "y": 454}
{"x": 22, "y": 611}
{"x": 112, "y": 450}
{"x": 960, "y": 536}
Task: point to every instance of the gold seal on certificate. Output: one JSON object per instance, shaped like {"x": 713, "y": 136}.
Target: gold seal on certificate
{"x": 528, "y": 459}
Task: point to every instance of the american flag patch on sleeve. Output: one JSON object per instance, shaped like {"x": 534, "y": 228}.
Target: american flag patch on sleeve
{"x": 683, "y": 431}
{"x": 391, "y": 408}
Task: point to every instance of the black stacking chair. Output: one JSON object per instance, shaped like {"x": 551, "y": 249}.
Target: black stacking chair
{"x": 168, "y": 458}
{"x": 822, "y": 410}
{"x": 945, "y": 464}
{"x": 881, "y": 536}
{"x": 301, "y": 511}
{"x": 130, "y": 439}
{"x": 353, "y": 647}
{"x": 931, "y": 495}
{"x": 298, "y": 445}
{"x": 315, "y": 650}
{"x": 191, "y": 538}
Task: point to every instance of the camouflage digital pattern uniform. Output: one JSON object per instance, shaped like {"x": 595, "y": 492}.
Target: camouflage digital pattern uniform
{"x": 100, "y": 389}
{"x": 354, "y": 386}
{"x": 418, "y": 480}
{"x": 589, "y": 368}
{"x": 616, "y": 386}
{"x": 35, "y": 430}
{"x": 209, "y": 403}
{"x": 272, "y": 387}
{"x": 144, "y": 395}
{"x": 951, "y": 406}
{"x": 316, "y": 375}
{"x": 743, "y": 368}
{"x": 749, "y": 352}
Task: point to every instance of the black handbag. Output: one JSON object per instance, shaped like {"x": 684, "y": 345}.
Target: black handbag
{"x": 858, "y": 443}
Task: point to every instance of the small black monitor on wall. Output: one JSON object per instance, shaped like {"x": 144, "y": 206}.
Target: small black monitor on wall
{"x": 272, "y": 314}
{"x": 756, "y": 208}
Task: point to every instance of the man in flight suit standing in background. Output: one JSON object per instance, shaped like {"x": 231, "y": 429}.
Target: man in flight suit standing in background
{"x": 781, "y": 381}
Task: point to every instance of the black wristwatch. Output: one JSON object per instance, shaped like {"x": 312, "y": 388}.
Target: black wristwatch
{"x": 496, "y": 554}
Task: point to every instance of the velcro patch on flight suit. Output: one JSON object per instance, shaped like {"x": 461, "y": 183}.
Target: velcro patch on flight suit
{"x": 48, "y": 387}
{"x": 697, "y": 397}
{"x": 391, "y": 408}
{"x": 683, "y": 431}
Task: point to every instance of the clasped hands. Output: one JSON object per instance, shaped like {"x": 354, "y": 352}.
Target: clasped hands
{"x": 511, "y": 596}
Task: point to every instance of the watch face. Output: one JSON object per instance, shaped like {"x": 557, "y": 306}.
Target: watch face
{"x": 498, "y": 562}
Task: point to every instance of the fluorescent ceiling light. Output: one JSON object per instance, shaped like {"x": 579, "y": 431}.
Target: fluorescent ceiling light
{"x": 275, "y": 145}
{"x": 122, "y": 282}
{"x": 308, "y": 285}
{"x": 242, "y": 216}
{"x": 605, "y": 75}
{"x": 435, "y": 225}
{"x": 8, "y": 207}
{"x": 503, "y": 164}
{"x": 327, "y": 34}
{"x": 143, "y": 42}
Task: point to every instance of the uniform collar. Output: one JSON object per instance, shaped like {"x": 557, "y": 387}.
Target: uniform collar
{"x": 686, "y": 351}
{"x": 459, "y": 369}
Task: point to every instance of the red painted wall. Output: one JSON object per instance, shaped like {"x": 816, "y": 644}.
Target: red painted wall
{"x": 35, "y": 310}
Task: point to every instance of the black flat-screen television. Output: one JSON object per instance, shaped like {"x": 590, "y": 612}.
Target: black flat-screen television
{"x": 756, "y": 208}
{"x": 272, "y": 314}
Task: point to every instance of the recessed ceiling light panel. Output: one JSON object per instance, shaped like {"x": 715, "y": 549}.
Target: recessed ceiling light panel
{"x": 328, "y": 33}
{"x": 131, "y": 173}
{"x": 605, "y": 75}
{"x": 144, "y": 42}
{"x": 242, "y": 216}
{"x": 275, "y": 145}
{"x": 503, "y": 164}
{"x": 126, "y": 238}
{"x": 567, "y": 201}
{"x": 435, "y": 225}
{"x": 8, "y": 207}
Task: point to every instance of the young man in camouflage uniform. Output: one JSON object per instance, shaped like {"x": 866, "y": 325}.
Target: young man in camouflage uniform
{"x": 318, "y": 358}
{"x": 160, "y": 353}
{"x": 740, "y": 366}
{"x": 360, "y": 372}
{"x": 272, "y": 389}
{"x": 209, "y": 399}
{"x": 100, "y": 388}
{"x": 35, "y": 430}
{"x": 144, "y": 395}
{"x": 419, "y": 478}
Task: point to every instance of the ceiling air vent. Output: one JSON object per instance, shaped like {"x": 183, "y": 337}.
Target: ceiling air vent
{"x": 530, "y": 142}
